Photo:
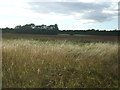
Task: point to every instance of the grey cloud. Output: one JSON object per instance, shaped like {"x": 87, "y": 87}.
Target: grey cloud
{"x": 92, "y": 11}
{"x": 98, "y": 16}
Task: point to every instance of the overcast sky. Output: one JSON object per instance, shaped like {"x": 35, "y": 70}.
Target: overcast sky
{"x": 68, "y": 14}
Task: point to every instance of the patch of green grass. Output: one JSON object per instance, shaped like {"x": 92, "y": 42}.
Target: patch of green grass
{"x": 74, "y": 35}
{"x": 83, "y": 35}
{"x": 64, "y": 34}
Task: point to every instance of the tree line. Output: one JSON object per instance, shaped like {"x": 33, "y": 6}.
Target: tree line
{"x": 54, "y": 30}
{"x": 33, "y": 29}
{"x": 92, "y": 32}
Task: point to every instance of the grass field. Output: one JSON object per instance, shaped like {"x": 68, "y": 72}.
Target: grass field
{"x": 74, "y": 38}
{"x": 33, "y": 61}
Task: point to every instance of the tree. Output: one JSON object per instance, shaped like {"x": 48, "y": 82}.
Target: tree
{"x": 18, "y": 27}
{"x": 56, "y": 27}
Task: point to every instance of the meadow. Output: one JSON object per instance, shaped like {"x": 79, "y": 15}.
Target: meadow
{"x": 36, "y": 61}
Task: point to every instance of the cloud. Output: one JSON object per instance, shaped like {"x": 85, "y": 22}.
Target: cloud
{"x": 86, "y": 1}
{"x": 95, "y": 12}
{"x": 65, "y": 7}
{"x": 66, "y": 13}
{"x": 98, "y": 16}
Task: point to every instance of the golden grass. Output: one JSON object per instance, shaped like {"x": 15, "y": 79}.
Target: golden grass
{"x": 60, "y": 64}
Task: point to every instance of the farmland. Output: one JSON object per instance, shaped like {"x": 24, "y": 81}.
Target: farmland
{"x": 59, "y": 61}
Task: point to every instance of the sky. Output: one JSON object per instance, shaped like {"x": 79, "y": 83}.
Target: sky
{"x": 68, "y": 14}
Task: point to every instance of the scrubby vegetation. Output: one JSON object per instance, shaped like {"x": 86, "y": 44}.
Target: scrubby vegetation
{"x": 31, "y": 63}
{"x": 54, "y": 30}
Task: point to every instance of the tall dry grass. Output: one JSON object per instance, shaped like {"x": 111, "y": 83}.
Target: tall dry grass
{"x": 61, "y": 64}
